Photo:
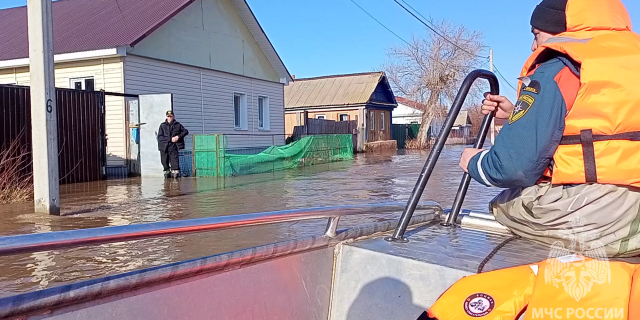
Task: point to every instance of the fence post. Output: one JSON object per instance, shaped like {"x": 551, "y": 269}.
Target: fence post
{"x": 193, "y": 156}
{"x": 217, "y": 155}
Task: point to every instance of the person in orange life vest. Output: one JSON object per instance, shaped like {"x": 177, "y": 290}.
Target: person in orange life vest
{"x": 568, "y": 155}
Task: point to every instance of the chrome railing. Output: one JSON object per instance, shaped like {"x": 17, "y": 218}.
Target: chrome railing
{"x": 46, "y": 300}
{"x": 67, "y": 239}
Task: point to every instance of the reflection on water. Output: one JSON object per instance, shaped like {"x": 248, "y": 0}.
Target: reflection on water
{"x": 368, "y": 179}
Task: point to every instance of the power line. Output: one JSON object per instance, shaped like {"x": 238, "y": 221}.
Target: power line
{"x": 380, "y": 23}
{"x": 432, "y": 28}
{"x": 504, "y": 79}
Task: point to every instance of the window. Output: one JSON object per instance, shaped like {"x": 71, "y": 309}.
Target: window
{"x": 372, "y": 121}
{"x": 382, "y": 121}
{"x": 86, "y": 83}
{"x": 344, "y": 117}
{"x": 240, "y": 111}
{"x": 321, "y": 116}
{"x": 263, "y": 113}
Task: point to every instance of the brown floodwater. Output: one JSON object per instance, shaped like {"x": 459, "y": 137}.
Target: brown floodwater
{"x": 367, "y": 179}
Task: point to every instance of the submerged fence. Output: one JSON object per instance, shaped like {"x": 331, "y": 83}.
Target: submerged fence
{"x": 212, "y": 156}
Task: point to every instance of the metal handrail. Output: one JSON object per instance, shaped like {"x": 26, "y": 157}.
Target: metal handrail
{"x": 427, "y": 170}
{"x": 66, "y": 239}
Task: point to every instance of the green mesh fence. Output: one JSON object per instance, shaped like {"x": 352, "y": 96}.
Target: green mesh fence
{"x": 212, "y": 158}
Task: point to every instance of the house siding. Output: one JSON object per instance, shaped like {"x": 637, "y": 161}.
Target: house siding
{"x": 203, "y": 99}
{"x": 209, "y": 34}
{"x": 108, "y": 75}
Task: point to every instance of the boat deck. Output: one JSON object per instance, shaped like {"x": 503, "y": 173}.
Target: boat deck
{"x": 376, "y": 279}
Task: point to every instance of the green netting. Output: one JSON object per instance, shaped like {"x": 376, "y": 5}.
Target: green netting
{"x": 212, "y": 158}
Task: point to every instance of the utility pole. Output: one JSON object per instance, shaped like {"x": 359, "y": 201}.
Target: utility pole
{"x": 46, "y": 189}
{"x": 493, "y": 121}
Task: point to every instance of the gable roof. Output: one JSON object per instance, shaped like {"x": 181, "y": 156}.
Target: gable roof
{"x": 87, "y": 25}
{"x": 462, "y": 119}
{"x": 411, "y": 104}
{"x": 337, "y": 90}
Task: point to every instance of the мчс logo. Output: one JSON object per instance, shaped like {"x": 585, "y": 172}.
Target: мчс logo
{"x": 578, "y": 267}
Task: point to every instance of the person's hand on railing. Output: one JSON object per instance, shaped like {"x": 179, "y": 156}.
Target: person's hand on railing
{"x": 491, "y": 102}
{"x": 466, "y": 156}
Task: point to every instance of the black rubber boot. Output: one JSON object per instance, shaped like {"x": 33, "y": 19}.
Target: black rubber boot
{"x": 167, "y": 174}
{"x": 175, "y": 174}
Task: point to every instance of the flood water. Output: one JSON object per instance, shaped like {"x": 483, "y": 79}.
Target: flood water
{"x": 367, "y": 179}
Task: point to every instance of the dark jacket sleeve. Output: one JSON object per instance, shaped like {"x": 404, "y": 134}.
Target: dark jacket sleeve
{"x": 527, "y": 142}
{"x": 183, "y": 132}
{"x": 163, "y": 139}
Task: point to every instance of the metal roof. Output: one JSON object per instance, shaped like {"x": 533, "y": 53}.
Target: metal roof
{"x": 86, "y": 25}
{"x": 411, "y": 104}
{"x": 339, "y": 90}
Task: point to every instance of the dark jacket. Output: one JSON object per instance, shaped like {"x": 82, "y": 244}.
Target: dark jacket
{"x": 169, "y": 130}
{"x": 525, "y": 147}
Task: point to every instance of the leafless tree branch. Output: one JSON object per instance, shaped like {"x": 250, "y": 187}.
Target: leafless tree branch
{"x": 430, "y": 69}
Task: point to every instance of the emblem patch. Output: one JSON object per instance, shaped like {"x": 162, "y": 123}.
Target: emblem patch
{"x": 521, "y": 108}
{"x": 533, "y": 87}
{"x": 479, "y": 305}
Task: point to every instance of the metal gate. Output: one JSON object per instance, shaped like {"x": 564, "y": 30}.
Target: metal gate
{"x": 399, "y": 133}
{"x": 81, "y": 130}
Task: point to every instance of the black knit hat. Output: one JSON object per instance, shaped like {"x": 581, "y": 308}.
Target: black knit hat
{"x": 550, "y": 16}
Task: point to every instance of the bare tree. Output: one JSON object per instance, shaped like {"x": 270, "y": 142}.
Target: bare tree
{"x": 430, "y": 69}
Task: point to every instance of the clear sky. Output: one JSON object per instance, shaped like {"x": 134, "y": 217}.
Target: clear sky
{"x": 323, "y": 37}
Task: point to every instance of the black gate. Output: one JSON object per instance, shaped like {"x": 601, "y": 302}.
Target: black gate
{"x": 81, "y": 130}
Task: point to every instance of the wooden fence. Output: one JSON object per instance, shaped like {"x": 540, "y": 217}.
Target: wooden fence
{"x": 322, "y": 126}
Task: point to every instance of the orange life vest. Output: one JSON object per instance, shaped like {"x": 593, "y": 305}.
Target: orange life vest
{"x": 601, "y": 142}
{"x": 571, "y": 287}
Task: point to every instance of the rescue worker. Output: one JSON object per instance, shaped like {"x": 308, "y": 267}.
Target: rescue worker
{"x": 170, "y": 141}
{"x": 571, "y": 146}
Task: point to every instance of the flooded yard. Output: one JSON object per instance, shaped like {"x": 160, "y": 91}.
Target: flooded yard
{"x": 367, "y": 179}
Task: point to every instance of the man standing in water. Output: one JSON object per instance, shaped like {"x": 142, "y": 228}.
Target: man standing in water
{"x": 170, "y": 140}
{"x": 569, "y": 153}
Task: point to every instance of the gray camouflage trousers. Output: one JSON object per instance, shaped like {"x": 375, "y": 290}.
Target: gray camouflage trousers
{"x": 581, "y": 217}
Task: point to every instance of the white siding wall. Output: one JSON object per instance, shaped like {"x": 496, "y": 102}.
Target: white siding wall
{"x": 203, "y": 99}
{"x": 108, "y": 75}
{"x": 208, "y": 34}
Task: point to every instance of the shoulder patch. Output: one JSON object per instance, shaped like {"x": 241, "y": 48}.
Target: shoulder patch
{"x": 533, "y": 87}
{"x": 521, "y": 108}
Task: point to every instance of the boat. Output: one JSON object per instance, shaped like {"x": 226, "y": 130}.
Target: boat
{"x": 381, "y": 270}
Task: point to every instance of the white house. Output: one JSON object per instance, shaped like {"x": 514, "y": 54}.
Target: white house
{"x": 212, "y": 55}
{"x": 407, "y": 112}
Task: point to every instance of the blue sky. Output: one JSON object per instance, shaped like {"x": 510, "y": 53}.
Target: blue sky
{"x": 322, "y": 37}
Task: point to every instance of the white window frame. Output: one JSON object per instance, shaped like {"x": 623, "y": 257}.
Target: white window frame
{"x": 343, "y": 114}
{"x": 266, "y": 115}
{"x": 372, "y": 121}
{"x": 243, "y": 121}
{"x": 382, "y": 126}
{"x": 82, "y": 80}
{"x": 321, "y": 116}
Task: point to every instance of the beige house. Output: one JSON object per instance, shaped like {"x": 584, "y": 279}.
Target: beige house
{"x": 212, "y": 55}
{"x": 366, "y": 98}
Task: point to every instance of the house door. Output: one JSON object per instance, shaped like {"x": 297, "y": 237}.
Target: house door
{"x": 153, "y": 108}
